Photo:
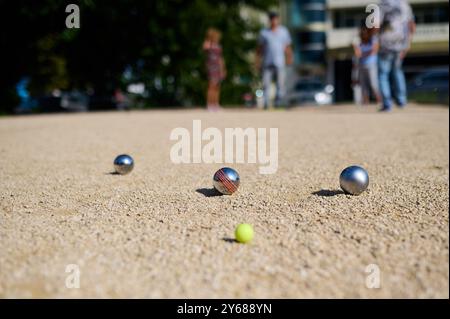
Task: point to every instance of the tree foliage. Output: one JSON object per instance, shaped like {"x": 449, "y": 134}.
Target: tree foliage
{"x": 160, "y": 41}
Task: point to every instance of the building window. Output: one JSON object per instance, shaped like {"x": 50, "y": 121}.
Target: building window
{"x": 310, "y": 47}
{"x": 309, "y": 2}
{"x": 432, "y": 13}
{"x": 310, "y": 37}
{"x": 311, "y": 57}
{"x": 299, "y": 18}
{"x": 314, "y": 16}
{"x": 348, "y": 18}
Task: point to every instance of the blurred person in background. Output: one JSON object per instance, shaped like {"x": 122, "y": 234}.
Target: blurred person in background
{"x": 121, "y": 100}
{"x": 396, "y": 29}
{"x": 356, "y": 86}
{"x": 274, "y": 52}
{"x": 366, "y": 51}
{"x": 215, "y": 68}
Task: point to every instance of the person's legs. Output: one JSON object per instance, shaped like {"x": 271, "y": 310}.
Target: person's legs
{"x": 357, "y": 95}
{"x": 217, "y": 96}
{"x": 399, "y": 81}
{"x": 373, "y": 82}
{"x": 214, "y": 96}
{"x": 210, "y": 95}
{"x": 384, "y": 69}
{"x": 267, "y": 82}
{"x": 280, "y": 82}
{"x": 364, "y": 82}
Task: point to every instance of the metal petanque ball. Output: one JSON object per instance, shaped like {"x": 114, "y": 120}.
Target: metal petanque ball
{"x": 354, "y": 180}
{"x": 123, "y": 164}
{"x": 226, "y": 180}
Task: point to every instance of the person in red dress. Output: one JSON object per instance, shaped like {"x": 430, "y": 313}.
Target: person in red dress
{"x": 215, "y": 67}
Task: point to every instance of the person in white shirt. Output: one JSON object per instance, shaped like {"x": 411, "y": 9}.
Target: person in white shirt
{"x": 273, "y": 54}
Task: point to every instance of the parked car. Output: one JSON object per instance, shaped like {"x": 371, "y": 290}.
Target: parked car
{"x": 430, "y": 87}
{"x": 118, "y": 100}
{"x": 313, "y": 92}
{"x": 66, "y": 101}
{"x": 75, "y": 101}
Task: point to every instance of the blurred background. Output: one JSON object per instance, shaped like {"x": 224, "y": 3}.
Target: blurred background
{"x": 323, "y": 32}
{"x": 147, "y": 54}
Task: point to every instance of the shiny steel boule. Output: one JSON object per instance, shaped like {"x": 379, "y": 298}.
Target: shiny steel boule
{"x": 354, "y": 180}
{"x": 123, "y": 164}
{"x": 226, "y": 180}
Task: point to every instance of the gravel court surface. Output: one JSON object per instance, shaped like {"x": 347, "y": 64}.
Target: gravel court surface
{"x": 154, "y": 233}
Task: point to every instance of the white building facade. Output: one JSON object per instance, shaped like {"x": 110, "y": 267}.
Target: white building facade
{"x": 334, "y": 30}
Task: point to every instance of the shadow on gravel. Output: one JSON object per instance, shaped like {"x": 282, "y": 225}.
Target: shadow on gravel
{"x": 328, "y": 192}
{"x": 112, "y": 173}
{"x": 208, "y": 192}
{"x": 229, "y": 240}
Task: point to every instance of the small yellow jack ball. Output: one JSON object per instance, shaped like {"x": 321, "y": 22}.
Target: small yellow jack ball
{"x": 244, "y": 233}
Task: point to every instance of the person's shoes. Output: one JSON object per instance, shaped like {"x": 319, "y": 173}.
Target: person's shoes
{"x": 212, "y": 108}
{"x": 384, "y": 109}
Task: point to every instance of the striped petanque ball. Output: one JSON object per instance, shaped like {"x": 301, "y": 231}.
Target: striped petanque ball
{"x": 226, "y": 180}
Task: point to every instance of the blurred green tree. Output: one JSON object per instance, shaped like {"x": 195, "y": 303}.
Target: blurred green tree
{"x": 160, "y": 41}
{"x": 23, "y": 30}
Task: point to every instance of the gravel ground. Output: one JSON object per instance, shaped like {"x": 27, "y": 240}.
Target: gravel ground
{"x": 156, "y": 232}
